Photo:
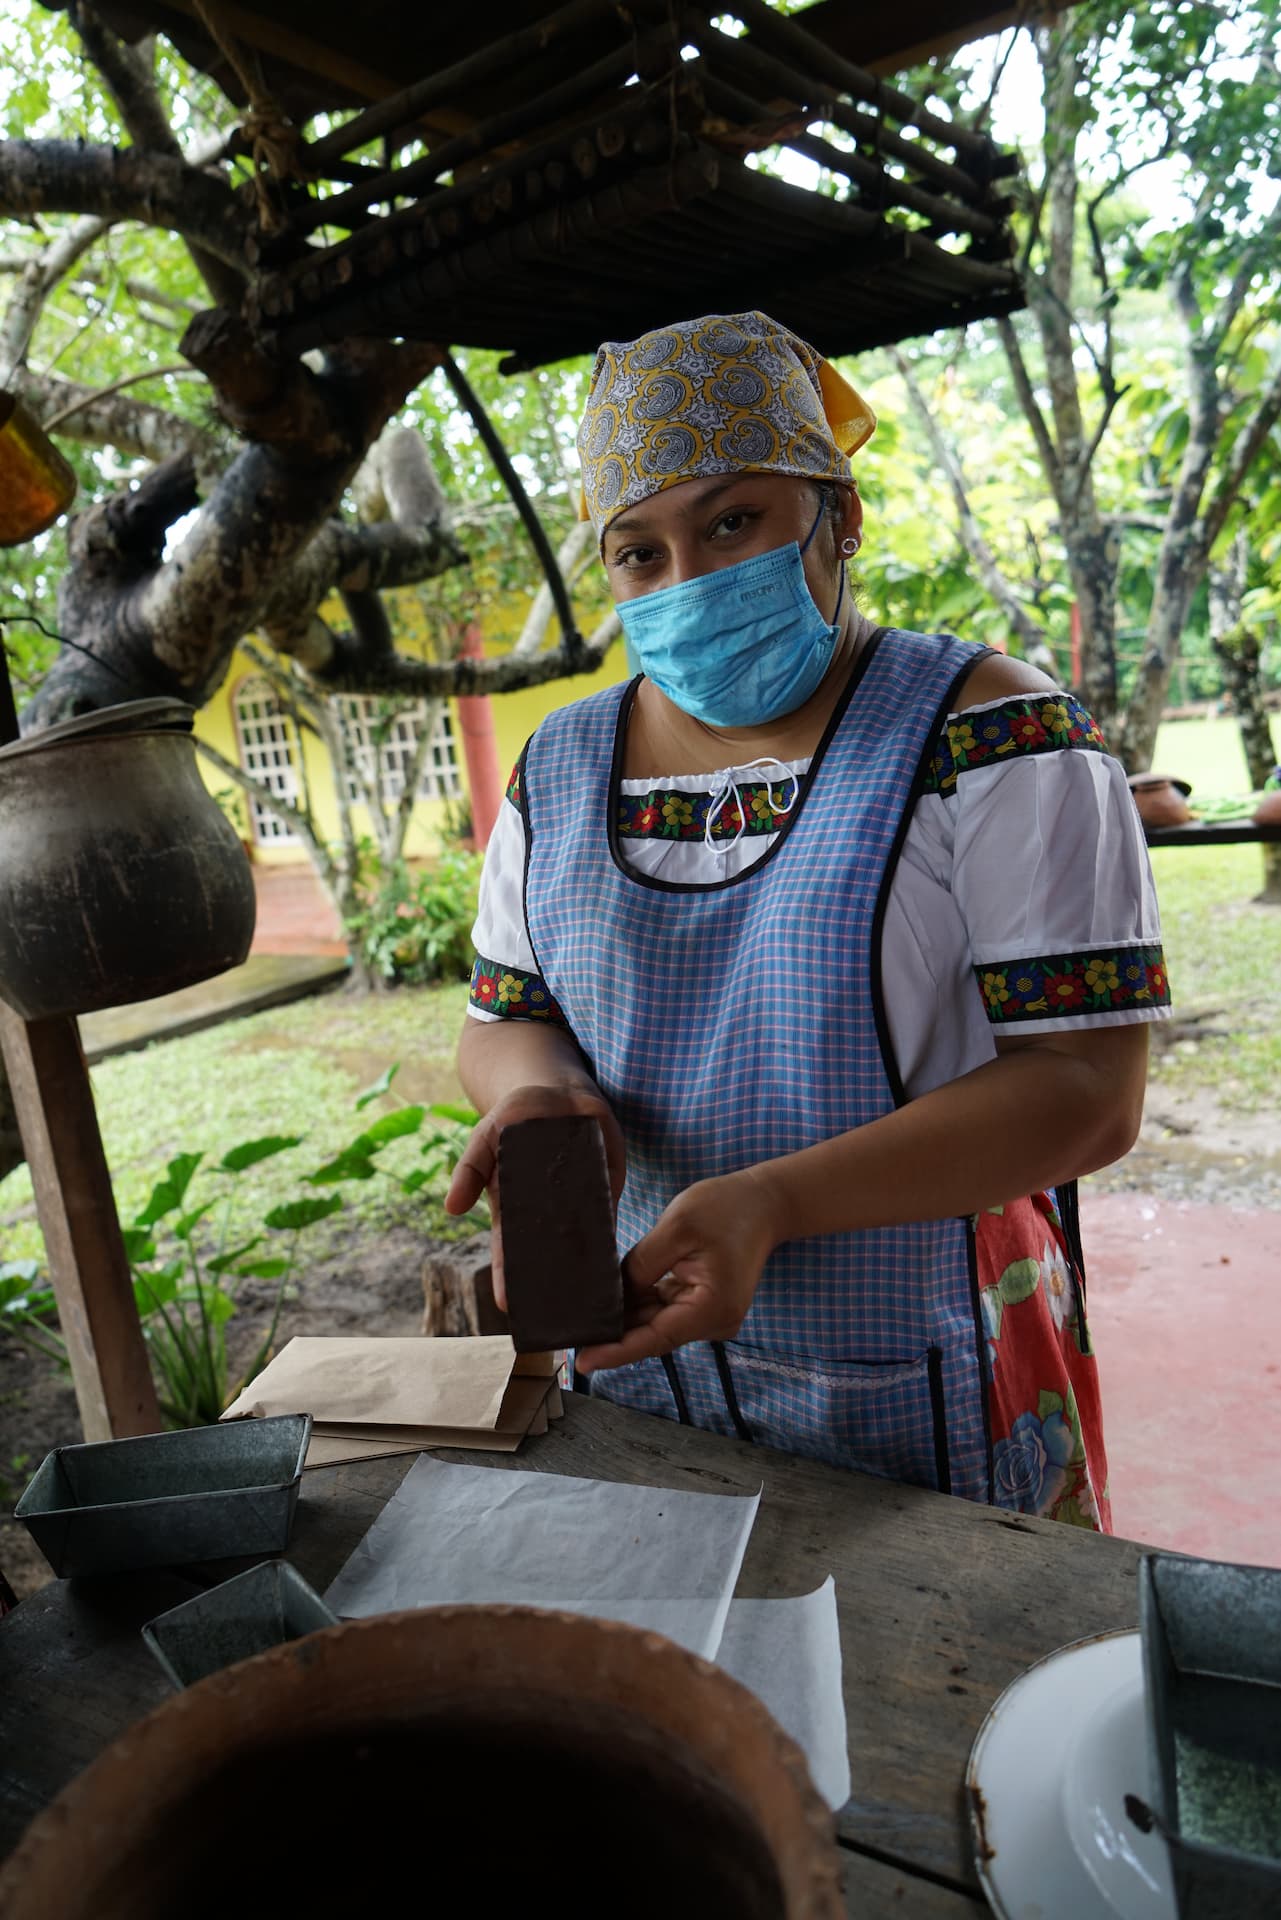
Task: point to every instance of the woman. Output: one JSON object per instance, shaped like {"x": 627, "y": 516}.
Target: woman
{"x": 847, "y": 938}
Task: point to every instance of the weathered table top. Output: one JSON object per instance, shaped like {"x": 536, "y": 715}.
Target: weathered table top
{"x": 1208, "y": 833}
{"x": 941, "y": 1605}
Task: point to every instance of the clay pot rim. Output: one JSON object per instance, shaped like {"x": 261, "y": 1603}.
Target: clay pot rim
{"x": 1138, "y": 781}
{"x": 217, "y": 1705}
{"x": 129, "y": 719}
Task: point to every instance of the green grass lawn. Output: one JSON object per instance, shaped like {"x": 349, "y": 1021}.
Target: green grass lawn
{"x": 1223, "y": 951}
{"x": 1207, "y": 753}
{"x": 291, "y": 1070}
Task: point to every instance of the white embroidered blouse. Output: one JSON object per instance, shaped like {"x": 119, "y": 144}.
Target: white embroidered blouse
{"x": 1023, "y": 896}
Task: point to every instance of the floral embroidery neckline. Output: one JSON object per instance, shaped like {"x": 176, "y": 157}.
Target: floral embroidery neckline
{"x": 667, "y": 813}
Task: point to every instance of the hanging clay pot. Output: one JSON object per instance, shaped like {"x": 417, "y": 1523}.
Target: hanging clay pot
{"x": 120, "y": 876}
{"x": 462, "y": 1760}
{"x": 1161, "y": 800}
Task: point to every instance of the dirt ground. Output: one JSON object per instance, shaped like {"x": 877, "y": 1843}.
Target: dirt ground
{"x": 1191, "y": 1150}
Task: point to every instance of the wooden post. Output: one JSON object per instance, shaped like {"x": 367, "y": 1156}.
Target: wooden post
{"x": 77, "y": 1211}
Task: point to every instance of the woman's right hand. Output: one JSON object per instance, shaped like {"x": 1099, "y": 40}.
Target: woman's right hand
{"x": 477, "y": 1171}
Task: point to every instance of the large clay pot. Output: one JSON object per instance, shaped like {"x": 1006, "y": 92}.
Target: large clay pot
{"x": 1161, "y": 799}
{"x": 459, "y": 1761}
{"x": 120, "y": 876}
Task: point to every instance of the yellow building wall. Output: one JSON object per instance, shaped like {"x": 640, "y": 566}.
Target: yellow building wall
{"x": 515, "y": 717}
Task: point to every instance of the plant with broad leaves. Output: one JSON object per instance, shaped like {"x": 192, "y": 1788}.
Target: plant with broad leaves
{"x": 441, "y": 1147}
{"x": 185, "y": 1282}
{"x": 414, "y": 925}
{"x": 186, "y": 1294}
{"x": 28, "y": 1311}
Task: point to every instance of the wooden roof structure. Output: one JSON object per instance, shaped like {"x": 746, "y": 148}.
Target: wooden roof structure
{"x": 536, "y": 178}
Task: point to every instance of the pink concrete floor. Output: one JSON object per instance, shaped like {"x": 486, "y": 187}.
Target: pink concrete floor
{"x": 1185, "y": 1306}
{"x": 295, "y": 915}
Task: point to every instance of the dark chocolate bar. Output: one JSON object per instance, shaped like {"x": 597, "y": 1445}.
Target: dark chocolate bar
{"x": 560, "y": 1254}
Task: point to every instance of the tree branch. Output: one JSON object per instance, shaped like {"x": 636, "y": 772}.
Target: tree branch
{"x": 1245, "y": 450}
{"x": 576, "y": 542}
{"x": 353, "y": 559}
{"x": 131, "y": 426}
{"x": 261, "y": 513}
{"x": 349, "y": 672}
{"x": 128, "y": 78}
{"x": 1031, "y": 408}
{"x": 283, "y": 809}
{"x": 39, "y": 276}
{"x": 122, "y": 183}
{"x": 1036, "y": 645}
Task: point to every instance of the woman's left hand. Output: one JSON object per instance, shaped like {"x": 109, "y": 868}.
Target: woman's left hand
{"x": 694, "y": 1274}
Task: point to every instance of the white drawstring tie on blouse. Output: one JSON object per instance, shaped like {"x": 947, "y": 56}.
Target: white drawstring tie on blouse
{"x": 728, "y": 789}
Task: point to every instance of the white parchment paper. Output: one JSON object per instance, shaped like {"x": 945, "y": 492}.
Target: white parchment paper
{"x": 788, "y": 1652}
{"x": 468, "y": 1535}
{"x": 665, "y": 1561}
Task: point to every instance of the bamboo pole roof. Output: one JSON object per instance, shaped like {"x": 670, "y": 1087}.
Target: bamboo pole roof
{"x": 536, "y": 178}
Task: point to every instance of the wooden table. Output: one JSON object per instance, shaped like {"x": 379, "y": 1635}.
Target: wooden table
{"x": 941, "y": 1605}
{"x": 1205, "y": 833}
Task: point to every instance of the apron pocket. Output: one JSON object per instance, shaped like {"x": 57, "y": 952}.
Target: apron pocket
{"x": 886, "y": 1418}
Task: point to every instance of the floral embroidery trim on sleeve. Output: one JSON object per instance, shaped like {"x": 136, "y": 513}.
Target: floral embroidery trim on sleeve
{"x": 665, "y": 814}
{"x": 512, "y": 992}
{"x": 1016, "y": 729}
{"x": 1116, "y": 980}
{"x": 513, "y": 785}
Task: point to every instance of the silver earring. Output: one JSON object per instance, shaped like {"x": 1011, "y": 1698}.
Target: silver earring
{"x": 850, "y": 545}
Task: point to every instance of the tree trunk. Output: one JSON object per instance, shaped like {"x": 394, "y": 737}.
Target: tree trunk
{"x": 1239, "y": 654}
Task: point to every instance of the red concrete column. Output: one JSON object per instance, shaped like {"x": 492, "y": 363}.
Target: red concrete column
{"x": 480, "y": 749}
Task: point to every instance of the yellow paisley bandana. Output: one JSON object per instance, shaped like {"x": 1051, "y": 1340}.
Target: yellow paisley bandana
{"x": 730, "y": 393}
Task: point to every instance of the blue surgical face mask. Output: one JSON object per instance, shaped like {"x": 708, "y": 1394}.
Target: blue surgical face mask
{"x": 737, "y": 647}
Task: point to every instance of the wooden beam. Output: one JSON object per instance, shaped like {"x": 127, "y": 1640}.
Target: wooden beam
{"x": 77, "y": 1211}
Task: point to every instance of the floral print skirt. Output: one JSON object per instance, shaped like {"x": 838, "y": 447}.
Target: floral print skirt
{"x": 1046, "y": 1420}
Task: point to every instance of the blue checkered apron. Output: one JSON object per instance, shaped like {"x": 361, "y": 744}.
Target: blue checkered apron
{"x": 733, "y": 1022}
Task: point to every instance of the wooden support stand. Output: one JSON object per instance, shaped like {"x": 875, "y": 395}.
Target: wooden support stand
{"x": 87, "y": 1266}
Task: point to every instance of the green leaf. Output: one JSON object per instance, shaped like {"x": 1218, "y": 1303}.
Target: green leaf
{"x": 1019, "y": 1282}
{"x": 379, "y": 1086}
{"x": 214, "y": 1306}
{"x": 353, "y": 1163}
{"x": 418, "y": 1178}
{"x": 167, "y": 1195}
{"x": 225, "y": 1262}
{"x": 182, "y": 1229}
{"x": 302, "y": 1213}
{"x": 264, "y": 1269}
{"x": 154, "y": 1290}
{"x": 394, "y": 1125}
{"x": 1047, "y": 1404}
{"x": 139, "y": 1245}
{"x": 465, "y": 1116}
{"x": 250, "y": 1152}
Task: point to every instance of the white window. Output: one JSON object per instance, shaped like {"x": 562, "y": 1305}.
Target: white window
{"x": 267, "y": 756}
{"x": 375, "y": 734}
